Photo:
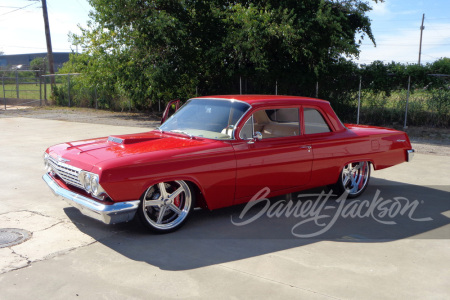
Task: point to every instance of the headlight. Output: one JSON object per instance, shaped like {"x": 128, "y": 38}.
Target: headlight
{"x": 94, "y": 185}
{"x": 91, "y": 184}
{"x": 85, "y": 179}
{"x": 47, "y": 166}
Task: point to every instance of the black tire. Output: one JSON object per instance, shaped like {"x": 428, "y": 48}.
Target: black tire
{"x": 166, "y": 206}
{"x": 353, "y": 179}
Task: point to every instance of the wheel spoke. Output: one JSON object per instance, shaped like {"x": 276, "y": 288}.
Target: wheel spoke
{"x": 156, "y": 202}
{"x": 353, "y": 184}
{"x": 353, "y": 188}
{"x": 162, "y": 212}
{"x": 358, "y": 179}
{"x": 346, "y": 180}
{"x": 174, "y": 208}
{"x": 358, "y": 166}
{"x": 176, "y": 193}
{"x": 162, "y": 190}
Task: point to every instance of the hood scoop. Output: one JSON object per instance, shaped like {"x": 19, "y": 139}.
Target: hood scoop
{"x": 130, "y": 139}
{"x": 115, "y": 140}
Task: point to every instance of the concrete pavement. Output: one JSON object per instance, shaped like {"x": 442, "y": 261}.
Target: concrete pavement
{"x": 72, "y": 256}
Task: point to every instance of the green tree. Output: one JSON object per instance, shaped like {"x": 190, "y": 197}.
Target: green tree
{"x": 441, "y": 66}
{"x": 155, "y": 49}
{"x": 39, "y": 64}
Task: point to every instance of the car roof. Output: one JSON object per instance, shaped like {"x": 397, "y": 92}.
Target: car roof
{"x": 256, "y": 100}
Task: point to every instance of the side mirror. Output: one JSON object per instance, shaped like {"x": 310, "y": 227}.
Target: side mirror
{"x": 256, "y": 137}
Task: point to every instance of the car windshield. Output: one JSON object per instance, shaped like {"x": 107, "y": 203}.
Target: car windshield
{"x": 214, "y": 119}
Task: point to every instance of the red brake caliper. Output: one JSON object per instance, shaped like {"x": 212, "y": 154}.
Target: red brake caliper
{"x": 177, "y": 201}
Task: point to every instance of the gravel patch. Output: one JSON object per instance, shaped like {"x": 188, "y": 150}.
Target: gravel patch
{"x": 85, "y": 115}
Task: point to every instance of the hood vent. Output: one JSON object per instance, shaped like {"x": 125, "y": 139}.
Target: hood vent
{"x": 131, "y": 139}
{"x": 115, "y": 140}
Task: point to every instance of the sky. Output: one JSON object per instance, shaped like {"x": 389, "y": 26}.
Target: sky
{"x": 22, "y": 24}
{"x": 395, "y": 24}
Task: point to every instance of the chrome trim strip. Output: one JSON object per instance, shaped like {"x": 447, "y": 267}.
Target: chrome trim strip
{"x": 109, "y": 214}
{"x": 220, "y": 99}
{"x": 410, "y": 154}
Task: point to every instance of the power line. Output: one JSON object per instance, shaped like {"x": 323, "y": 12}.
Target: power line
{"x": 82, "y": 6}
{"x": 23, "y": 47}
{"x": 17, "y": 9}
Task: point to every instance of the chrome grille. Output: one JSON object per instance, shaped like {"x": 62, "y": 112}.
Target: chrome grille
{"x": 68, "y": 174}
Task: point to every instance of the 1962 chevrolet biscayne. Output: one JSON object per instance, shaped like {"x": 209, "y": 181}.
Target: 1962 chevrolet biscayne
{"x": 219, "y": 151}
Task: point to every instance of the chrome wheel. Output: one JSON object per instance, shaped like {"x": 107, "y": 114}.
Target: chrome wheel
{"x": 354, "y": 178}
{"x": 165, "y": 206}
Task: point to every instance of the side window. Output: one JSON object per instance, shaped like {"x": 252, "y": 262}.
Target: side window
{"x": 247, "y": 130}
{"x": 283, "y": 115}
{"x": 273, "y": 123}
{"x": 314, "y": 121}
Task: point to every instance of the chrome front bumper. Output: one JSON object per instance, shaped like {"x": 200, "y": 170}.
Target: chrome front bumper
{"x": 109, "y": 214}
{"x": 409, "y": 154}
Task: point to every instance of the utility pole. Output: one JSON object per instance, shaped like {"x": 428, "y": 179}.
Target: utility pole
{"x": 421, "y": 33}
{"x": 49, "y": 42}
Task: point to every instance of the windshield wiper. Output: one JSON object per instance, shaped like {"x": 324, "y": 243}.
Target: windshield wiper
{"x": 160, "y": 130}
{"x": 183, "y": 132}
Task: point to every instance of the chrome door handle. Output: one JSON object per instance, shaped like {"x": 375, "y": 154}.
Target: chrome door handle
{"x": 306, "y": 147}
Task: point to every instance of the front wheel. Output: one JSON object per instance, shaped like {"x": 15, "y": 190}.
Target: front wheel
{"x": 166, "y": 206}
{"x": 353, "y": 179}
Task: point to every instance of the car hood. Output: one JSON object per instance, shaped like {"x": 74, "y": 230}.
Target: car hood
{"x": 86, "y": 154}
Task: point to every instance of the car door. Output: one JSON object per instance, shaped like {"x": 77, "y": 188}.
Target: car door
{"x": 279, "y": 158}
{"x": 330, "y": 149}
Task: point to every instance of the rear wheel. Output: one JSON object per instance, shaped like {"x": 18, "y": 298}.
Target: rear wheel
{"x": 166, "y": 206}
{"x": 353, "y": 179}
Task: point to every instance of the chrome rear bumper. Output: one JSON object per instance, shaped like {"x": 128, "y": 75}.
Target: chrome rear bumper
{"x": 410, "y": 154}
{"x": 109, "y": 214}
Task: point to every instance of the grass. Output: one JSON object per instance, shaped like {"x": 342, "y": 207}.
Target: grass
{"x": 26, "y": 91}
{"x": 425, "y": 108}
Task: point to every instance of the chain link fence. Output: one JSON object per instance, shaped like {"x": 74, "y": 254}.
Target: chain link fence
{"x": 409, "y": 102}
{"x": 388, "y": 101}
{"x": 20, "y": 88}
{"x": 70, "y": 92}
{"x": 391, "y": 101}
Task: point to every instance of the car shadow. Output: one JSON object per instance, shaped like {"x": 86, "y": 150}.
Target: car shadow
{"x": 210, "y": 237}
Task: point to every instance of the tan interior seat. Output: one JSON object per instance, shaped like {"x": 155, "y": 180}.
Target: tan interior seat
{"x": 280, "y": 130}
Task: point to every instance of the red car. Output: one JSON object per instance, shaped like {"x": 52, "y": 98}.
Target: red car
{"x": 218, "y": 151}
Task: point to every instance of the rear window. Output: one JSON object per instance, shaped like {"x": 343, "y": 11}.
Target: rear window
{"x": 314, "y": 121}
